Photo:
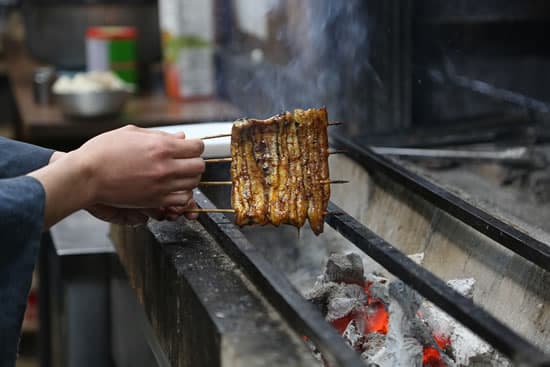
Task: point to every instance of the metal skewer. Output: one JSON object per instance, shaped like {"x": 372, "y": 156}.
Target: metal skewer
{"x": 216, "y": 210}
{"x": 228, "y": 183}
{"x": 226, "y": 135}
{"x": 229, "y": 159}
{"x": 213, "y": 210}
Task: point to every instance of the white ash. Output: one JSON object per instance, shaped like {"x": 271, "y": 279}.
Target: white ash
{"x": 347, "y": 268}
{"x": 378, "y": 287}
{"x": 401, "y": 347}
{"x": 374, "y": 342}
{"x": 463, "y": 286}
{"x": 413, "y": 322}
{"x": 321, "y": 293}
{"x": 340, "y": 289}
{"x": 468, "y": 349}
{"x": 354, "y": 336}
{"x": 345, "y": 300}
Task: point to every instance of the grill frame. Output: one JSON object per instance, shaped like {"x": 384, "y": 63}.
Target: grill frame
{"x": 522, "y": 244}
{"x": 306, "y": 319}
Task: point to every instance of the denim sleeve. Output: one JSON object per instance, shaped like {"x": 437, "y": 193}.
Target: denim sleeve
{"x": 17, "y": 158}
{"x": 22, "y": 202}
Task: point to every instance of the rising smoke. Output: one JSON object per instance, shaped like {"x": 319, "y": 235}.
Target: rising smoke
{"x": 324, "y": 45}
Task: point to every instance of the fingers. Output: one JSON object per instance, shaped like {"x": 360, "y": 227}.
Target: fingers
{"x": 132, "y": 217}
{"x": 191, "y": 167}
{"x": 176, "y": 145}
{"x": 191, "y": 205}
{"x": 181, "y": 184}
{"x": 179, "y": 134}
{"x": 176, "y": 199}
{"x": 187, "y": 148}
{"x": 174, "y": 212}
{"x": 158, "y": 214}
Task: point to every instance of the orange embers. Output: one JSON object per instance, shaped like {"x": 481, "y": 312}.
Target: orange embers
{"x": 374, "y": 316}
{"x": 342, "y": 323}
{"x": 431, "y": 357}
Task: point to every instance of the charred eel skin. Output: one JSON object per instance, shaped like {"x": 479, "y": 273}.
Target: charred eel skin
{"x": 278, "y": 168}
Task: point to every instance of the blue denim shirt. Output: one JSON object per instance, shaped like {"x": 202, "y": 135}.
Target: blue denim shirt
{"x": 22, "y": 200}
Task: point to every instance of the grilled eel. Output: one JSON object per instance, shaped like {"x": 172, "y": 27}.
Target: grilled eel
{"x": 279, "y": 169}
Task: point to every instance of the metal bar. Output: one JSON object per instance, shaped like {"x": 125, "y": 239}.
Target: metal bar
{"x": 301, "y": 315}
{"x": 522, "y": 244}
{"x": 434, "y": 289}
{"x": 519, "y": 156}
{"x": 504, "y": 154}
{"x": 490, "y": 90}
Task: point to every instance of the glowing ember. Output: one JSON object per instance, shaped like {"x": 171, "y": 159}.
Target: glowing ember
{"x": 376, "y": 315}
{"x": 376, "y": 318}
{"x": 342, "y": 323}
{"x": 442, "y": 341}
{"x": 366, "y": 287}
{"x": 359, "y": 307}
{"x": 431, "y": 357}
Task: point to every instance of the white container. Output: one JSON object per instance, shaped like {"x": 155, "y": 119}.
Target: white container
{"x": 187, "y": 28}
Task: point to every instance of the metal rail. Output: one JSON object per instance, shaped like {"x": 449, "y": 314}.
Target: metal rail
{"x": 434, "y": 289}
{"x": 522, "y": 244}
{"x": 306, "y": 319}
{"x": 300, "y": 314}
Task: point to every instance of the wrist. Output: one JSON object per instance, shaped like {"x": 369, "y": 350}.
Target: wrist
{"x": 83, "y": 172}
{"x": 66, "y": 186}
{"x": 56, "y": 156}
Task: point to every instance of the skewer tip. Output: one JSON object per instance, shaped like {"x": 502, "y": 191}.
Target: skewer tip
{"x": 335, "y": 182}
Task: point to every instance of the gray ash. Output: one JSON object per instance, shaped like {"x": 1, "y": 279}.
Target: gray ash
{"x": 390, "y": 324}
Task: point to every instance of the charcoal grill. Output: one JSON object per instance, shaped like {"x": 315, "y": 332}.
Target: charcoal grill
{"x": 306, "y": 320}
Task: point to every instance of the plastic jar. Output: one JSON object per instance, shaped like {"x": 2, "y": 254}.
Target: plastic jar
{"x": 113, "y": 48}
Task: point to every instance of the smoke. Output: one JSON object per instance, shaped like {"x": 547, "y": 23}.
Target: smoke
{"x": 317, "y": 55}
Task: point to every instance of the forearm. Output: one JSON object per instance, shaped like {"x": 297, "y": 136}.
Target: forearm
{"x": 66, "y": 185}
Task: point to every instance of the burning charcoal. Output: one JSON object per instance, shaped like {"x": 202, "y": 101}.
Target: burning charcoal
{"x": 354, "y": 336}
{"x": 373, "y": 345}
{"x": 467, "y": 348}
{"x": 408, "y": 299}
{"x": 345, "y": 269}
{"x": 377, "y": 287}
{"x": 409, "y": 304}
{"x": 321, "y": 294}
{"x": 346, "y": 299}
{"x": 401, "y": 348}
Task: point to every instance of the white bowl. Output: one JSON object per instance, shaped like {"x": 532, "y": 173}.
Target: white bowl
{"x": 92, "y": 104}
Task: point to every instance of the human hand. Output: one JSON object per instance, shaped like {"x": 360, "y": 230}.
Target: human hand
{"x": 133, "y": 167}
{"x": 133, "y": 216}
{"x": 124, "y": 216}
{"x": 125, "y": 168}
